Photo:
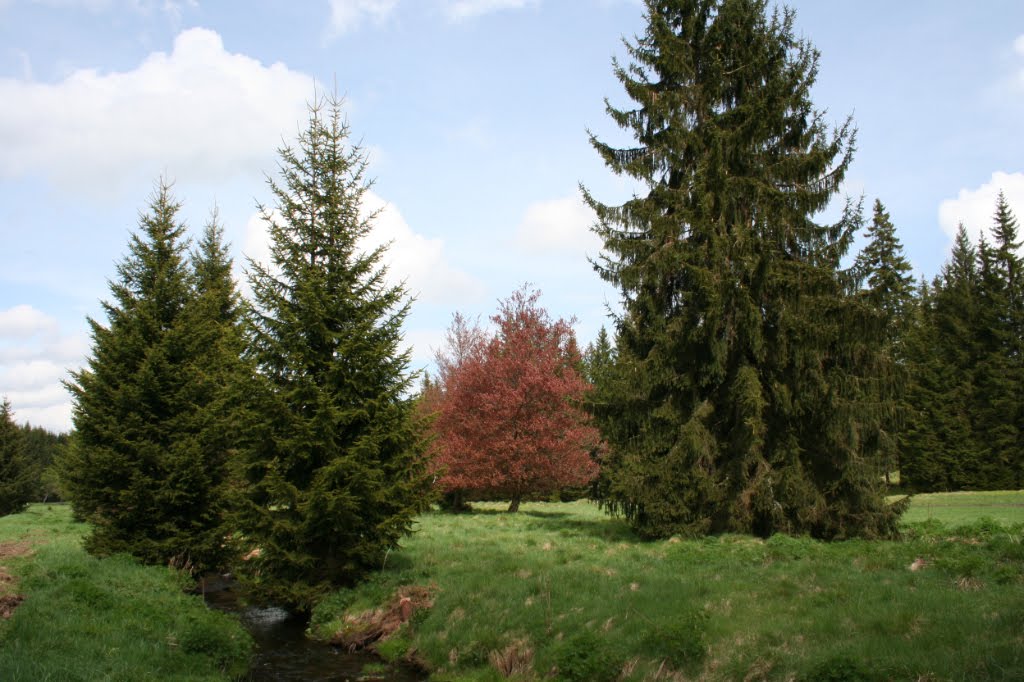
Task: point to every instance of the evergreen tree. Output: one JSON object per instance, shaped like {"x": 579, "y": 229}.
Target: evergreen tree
{"x": 938, "y": 440}
{"x": 598, "y": 358}
{"x": 889, "y": 291}
{"x": 137, "y": 468}
{"x": 890, "y": 286}
{"x": 18, "y": 474}
{"x": 600, "y": 362}
{"x": 999, "y": 373}
{"x": 753, "y": 389}
{"x": 940, "y": 451}
{"x": 42, "y": 448}
{"x": 334, "y": 469}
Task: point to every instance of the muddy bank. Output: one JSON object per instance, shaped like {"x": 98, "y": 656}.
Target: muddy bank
{"x": 283, "y": 652}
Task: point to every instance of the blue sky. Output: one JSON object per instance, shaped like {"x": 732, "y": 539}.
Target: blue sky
{"x": 474, "y": 114}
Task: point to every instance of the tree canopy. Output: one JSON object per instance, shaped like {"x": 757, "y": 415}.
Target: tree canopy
{"x": 332, "y": 469}
{"x": 510, "y": 419}
{"x": 141, "y": 467}
{"x": 751, "y": 390}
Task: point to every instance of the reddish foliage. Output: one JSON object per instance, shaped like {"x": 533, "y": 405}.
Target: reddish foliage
{"x": 508, "y": 407}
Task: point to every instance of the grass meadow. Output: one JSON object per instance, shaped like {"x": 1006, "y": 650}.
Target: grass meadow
{"x": 92, "y": 619}
{"x": 563, "y": 591}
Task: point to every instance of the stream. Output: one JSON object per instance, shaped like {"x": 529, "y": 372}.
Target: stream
{"x": 283, "y": 652}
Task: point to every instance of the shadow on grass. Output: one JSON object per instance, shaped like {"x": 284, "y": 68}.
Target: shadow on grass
{"x": 607, "y": 528}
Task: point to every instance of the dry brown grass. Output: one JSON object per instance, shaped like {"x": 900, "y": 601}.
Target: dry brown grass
{"x": 9, "y": 597}
{"x": 515, "y": 660}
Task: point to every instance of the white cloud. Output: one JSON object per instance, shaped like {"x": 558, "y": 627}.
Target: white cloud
{"x": 24, "y": 321}
{"x": 347, "y": 15}
{"x": 460, "y": 10}
{"x": 417, "y": 259}
{"x": 34, "y": 357}
{"x": 413, "y": 258}
{"x": 55, "y": 418}
{"x": 975, "y": 207}
{"x": 559, "y": 226}
{"x": 199, "y": 112}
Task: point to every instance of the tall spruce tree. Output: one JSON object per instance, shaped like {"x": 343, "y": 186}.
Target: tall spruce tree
{"x": 747, "y": 361}
{"x": 19, "y": 475}
{"x": 940, "y": 450}
{"x": 889, "y": 290}
{"x": 889, "y": 286}
{"x": 334, "y": 466}
{"x": 999, "y": 372}
{"x": 137, "y": 467}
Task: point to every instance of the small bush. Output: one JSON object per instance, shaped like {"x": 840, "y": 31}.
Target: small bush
{"x": 215, "y": 636}
{"x": 585, "y": 657}
{"x": 680, "y": 643}
{"x": 840, "y": 669}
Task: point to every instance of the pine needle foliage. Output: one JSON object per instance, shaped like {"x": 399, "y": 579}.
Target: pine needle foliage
{"x": 144, "y": 466}
{"x": 966, "y": 357}
{"x": 18, "y": 473}
{"x": 752, "y": 391}
{"x": 333, "y": 471}
{"x": 888, "y": 288}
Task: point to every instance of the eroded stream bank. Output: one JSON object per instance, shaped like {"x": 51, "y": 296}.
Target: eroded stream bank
{"x": 283, "y": 652}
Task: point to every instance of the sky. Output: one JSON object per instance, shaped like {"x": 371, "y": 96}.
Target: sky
{"x": 474, "y": 115}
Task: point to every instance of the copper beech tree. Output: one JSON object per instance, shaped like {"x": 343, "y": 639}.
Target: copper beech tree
{"x": 509, "y": 419}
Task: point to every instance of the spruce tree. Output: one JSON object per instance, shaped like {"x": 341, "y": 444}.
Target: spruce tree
{"x": 940, "y": 450}
{"x": 753, "y": 388}
{"x": 137, "y": 468}
{"x": 19, "y": 475}
{"x": 998, "y": 375}
{"x": 334, "y": 470}
{"x": 886, "y": 271}
{"x": 889, "y": 290}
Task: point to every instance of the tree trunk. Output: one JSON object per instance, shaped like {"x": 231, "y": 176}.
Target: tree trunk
{"x": 513, "y": 507}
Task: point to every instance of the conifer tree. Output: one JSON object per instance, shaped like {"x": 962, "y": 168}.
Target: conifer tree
{"x": 889, "y": 284}
{"x": 18, "y": 474}
{"x": 746, "y": 360}
{"x": 889, "y": 290}
{"x": 999, "y": 373}
{"x": 333, "y": 467}
{"x": 137, "y": 468}
{"x": 940, "y": 450}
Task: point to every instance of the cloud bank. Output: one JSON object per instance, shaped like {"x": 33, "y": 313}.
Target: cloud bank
{"x": 348, "y": 15}
{"x": 976, "y": 207}
{"x": 34, "y": 357}
{"x": 199, "y": 112}
{"x": 559, "y": 227}
{"x": 412, "y": 258}
{"x": 461, "y": 10}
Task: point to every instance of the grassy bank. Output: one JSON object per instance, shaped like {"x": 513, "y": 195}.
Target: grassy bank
{"x": 561, "y": 588}
{"x": 89, "y": 619}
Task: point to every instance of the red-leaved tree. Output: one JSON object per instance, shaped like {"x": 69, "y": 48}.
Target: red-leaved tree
{"x": 509, "y": 418}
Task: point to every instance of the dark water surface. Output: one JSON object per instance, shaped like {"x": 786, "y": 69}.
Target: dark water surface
{"x": 283, "y": 652}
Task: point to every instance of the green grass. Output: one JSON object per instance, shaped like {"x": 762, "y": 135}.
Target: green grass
{"x": 89, "y": 619}
{"x": 573, "y": 594}
{"x": 1003, "y": 506}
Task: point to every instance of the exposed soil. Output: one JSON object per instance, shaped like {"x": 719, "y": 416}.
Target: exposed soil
{"x": 365, "y": 629}
{"x": 9, "y": 598}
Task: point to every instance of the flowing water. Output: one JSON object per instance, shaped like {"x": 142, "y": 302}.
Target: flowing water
{"x": 283, "y": 652}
